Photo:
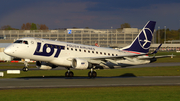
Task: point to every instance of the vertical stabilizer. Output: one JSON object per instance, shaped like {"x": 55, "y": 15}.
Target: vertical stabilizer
{"x": 142, "y": 42}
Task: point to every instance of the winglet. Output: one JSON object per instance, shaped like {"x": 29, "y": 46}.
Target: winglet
{"x": 157, "y": 49}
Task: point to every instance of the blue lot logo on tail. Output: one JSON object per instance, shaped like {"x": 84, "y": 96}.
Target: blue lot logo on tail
{"x": 142, "y": 42}
{"x": 145, "y": 39}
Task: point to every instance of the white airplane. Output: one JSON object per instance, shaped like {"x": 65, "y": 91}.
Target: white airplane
{"x": 50, "y": 54}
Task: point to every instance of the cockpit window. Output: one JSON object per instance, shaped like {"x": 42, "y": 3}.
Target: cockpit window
{"x": 21, "y": 41}
{"x": 18, "y": 41}
{"x": 25, "y": 42}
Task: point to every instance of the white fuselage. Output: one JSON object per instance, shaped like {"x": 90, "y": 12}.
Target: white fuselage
{"x": 61, "y": 53}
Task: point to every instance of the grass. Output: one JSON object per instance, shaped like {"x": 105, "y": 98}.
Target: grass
{"x": 144, "y": 93}
{"x": 168, "y": 59}
{"x": 147, "y": 71}
{"x": 9, "y": 65}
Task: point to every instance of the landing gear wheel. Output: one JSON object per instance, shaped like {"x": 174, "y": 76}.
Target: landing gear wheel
{"x": 69, "y": 74}
{"x": 66, "y": 74}
{"x": 92, "y": 74}
{"x": 25, "y": 69}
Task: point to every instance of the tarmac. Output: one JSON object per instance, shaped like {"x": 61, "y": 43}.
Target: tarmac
{"x": 56, "y": 82}
{"x": 60, "y": 82}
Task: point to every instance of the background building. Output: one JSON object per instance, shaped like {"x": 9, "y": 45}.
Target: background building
{"x": 104, "y": 37}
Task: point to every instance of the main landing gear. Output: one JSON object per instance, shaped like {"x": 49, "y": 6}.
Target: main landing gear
{"x": 69, "y": 73}
{"x": 92, "y": 73}
{"x": 25, "y": 69}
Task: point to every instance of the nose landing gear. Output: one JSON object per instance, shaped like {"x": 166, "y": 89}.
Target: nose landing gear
{"x": 25, "y": 69}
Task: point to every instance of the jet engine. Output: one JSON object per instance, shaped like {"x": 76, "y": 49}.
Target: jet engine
{"x": 44, "y": 65}
{"x": 80, "y": 64}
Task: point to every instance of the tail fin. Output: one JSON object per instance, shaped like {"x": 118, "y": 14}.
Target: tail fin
{"x": 143, "y": 41}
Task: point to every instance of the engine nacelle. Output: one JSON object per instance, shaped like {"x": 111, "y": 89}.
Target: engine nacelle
{"x": 80, "y": 64}
{"x": 44, "y": 65}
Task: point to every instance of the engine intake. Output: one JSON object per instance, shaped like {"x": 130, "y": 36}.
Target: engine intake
{"x": 80, "y": 64}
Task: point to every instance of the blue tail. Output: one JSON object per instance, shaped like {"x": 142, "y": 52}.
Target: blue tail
{"x": 142, "y": 42}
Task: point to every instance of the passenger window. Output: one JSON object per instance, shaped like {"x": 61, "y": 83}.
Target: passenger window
{"x": 112, "y": 54}
{"x": 88, "y": 51}
{"x": 92, "y": 51}
{"x": 84, "y": 50}
{"x": 108, "y": 53}
{"x": 72, "y": 49}
{"x": 104, "y": 53}
{"x": 101, "y": 53}
{"x": 96, "y": 52}
{"x": 80, "y": 50}
{"x": 75, "y": 49}
{"x": 67, "y": 48}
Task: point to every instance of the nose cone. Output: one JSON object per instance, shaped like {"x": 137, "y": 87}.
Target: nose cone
{"x": 8, "y": 51}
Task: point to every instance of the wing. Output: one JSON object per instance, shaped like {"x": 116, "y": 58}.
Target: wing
{"x": 104, "y": 59}
{"x": 123, "y": 56}
{"x": 152, "y": 57}
{"x": 98, "y": 60}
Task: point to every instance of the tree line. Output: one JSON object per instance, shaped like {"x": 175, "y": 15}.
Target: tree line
{"x": 170, "y": 35}
{"x": 33, "y": 26}
{"x": 27, "y": 26}
{"x": 160, "y": 33}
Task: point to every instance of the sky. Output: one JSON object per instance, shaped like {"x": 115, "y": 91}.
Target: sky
{"x": 96, "y": 14}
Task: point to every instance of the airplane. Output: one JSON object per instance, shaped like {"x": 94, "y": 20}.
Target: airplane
{"x": 50, "y": 54}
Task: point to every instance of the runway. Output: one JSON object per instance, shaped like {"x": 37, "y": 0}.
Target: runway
{"x": 138, "y": 66}
{"x": 53, "y": 82}
{"x": 86, "y": 82}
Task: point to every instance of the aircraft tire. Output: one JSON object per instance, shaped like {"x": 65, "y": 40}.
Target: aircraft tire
{"x": 66, "y": 74}
{"x": 69, "y": 74}
{"x": 25, "y": 69}
{"x": 92, "y": 74}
